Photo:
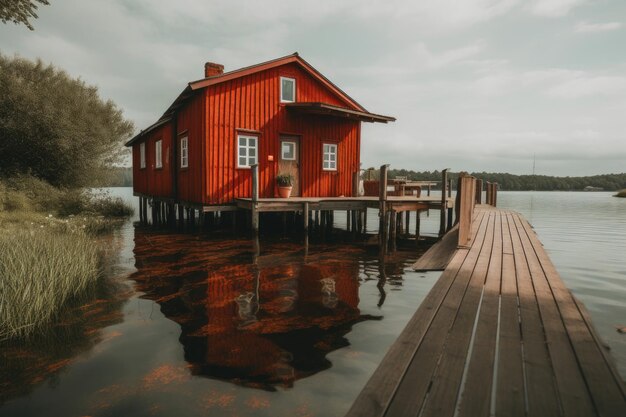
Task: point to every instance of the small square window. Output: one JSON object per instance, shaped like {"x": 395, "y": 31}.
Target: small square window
{"x": 329, "y": 157}
{"x": 287, "y": 90}
{"x": 247, "y": 151}
{"x": 288, "y": 151}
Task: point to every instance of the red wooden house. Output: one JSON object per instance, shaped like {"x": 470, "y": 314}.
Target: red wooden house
{"x": 282, "y": 115}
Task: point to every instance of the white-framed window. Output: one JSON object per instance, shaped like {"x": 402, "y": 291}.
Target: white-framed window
{"x": 287, "y": 90}
{"x": 246, "y": 151}
{"x": 329, "y": 161}
{"x": 288, "y": 151}
{"x": 184, "y": 152}
{"x": 142, "y": 155}
{"x": 158, "y": 155}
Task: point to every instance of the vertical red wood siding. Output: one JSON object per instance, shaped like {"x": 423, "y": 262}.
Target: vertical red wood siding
{"x": 152, "y": 181}
{"x": 190, "y": 123}
{"x": 253, "y": 103}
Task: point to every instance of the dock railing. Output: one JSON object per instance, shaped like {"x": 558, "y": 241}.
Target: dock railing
{"x": 491, "y": 195}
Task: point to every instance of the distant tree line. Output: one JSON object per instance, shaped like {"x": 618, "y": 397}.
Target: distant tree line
{"x": 118, "y": 177}
{"x": 511, "y": 182}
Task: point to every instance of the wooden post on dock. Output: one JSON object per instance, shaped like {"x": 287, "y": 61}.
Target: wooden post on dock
{"x": 479, "y": 191}
{"x": 494, "y": 194}
{"x": 488, "y": 193}
{"x": 450, "y": 187}
{"x": 255, "y": 199}
{"x": 382, "y": 197}
{"x": 442, "y": 219}
{"x": 356, "y": 178}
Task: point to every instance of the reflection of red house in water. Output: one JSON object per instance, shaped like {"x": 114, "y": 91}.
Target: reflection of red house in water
{"x": 260, "y": 324}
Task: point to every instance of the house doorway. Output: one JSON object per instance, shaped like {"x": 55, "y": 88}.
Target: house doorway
{"x": 289, "y": 161}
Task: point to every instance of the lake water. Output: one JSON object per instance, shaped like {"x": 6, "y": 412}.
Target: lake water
{"x": 192, "y": 325}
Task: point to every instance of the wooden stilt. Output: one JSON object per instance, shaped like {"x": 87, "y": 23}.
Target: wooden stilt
{"x": 181, "y": 216}
{"x": 382, "y": 198}
{"x": 364, "y": 220}
{"x": 254, "y": 214}
{"x": 407, "y": 229}
{"x": 442, "y": 215}
{"x": 145, "y": 210}
{"x": 317, "y": 221}
{"x": 417, "y": 227}
{"x": 305, "y": 217}
{"x": 394, "y": 228}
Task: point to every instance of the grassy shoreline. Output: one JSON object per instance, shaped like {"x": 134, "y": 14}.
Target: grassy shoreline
{"x": 49, "y": 253}
{"x": 621, "y": 193}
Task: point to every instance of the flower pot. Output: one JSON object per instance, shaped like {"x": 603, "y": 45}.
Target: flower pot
{"x": 284, "y": 192}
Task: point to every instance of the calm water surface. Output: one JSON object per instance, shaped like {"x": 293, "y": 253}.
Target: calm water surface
{"x": 196, "y": 325}
{"x": 192, "y": 325}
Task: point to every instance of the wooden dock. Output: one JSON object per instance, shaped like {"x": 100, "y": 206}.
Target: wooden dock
{"x": 499, "y": 334}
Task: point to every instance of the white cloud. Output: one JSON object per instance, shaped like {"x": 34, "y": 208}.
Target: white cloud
{"x": 588, "y": 85}
{"x": 584, "y": 27}
{"x": 553, "y": 82}
{"x": 554, "y": 8}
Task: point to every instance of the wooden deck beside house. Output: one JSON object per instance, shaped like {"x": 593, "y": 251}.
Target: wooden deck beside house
{"x": 499, "y": 334}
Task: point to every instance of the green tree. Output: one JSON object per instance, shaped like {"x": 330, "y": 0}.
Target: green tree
{"x": 19, "y": 11}
{"x": 55, "y": 127}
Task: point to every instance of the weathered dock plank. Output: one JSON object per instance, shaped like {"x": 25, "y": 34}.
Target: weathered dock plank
{"x": 499, "y": 334}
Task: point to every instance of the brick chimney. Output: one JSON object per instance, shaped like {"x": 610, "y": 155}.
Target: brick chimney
{"x": 211, "y": 69}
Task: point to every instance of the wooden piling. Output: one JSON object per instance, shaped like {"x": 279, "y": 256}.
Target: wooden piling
{"x": 417, "y": 227}
{"x": 255, "y": 198}
{"x": 444, "y": 184}
{"x": 394, "y": 228}
{"x": 479, "y": 191}
{"x": 365, "y": 220}
{"x": 407, "y": 216}
{"x": 382, "y": 197}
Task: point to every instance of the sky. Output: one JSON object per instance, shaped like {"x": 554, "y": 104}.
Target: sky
{"x": 475, "y": 85}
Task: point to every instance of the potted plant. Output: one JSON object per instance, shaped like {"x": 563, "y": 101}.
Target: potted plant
{"x": 284, "y": 181}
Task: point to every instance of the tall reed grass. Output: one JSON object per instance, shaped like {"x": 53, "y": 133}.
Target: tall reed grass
{"x": 41, "y": 269}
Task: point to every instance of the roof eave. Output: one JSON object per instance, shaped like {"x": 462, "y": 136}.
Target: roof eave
{"x": 336, "y": 111}
{"x": 147, "y": 130}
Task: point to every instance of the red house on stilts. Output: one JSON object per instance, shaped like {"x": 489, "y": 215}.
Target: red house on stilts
{"x": 282, "y": 115}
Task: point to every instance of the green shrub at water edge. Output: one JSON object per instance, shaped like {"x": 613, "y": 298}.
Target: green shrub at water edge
{"x": 41, "y": 269}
